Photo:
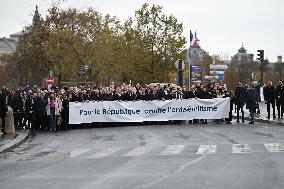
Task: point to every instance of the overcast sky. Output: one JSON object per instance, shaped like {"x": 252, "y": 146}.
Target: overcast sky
{"x": 221, "y": 25}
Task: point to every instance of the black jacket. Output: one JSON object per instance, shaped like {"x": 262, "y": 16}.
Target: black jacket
{"x": 28, "y": 104}
{"x": 203, "y": 94}
{"x": 3, "y": 105}
{"x": 269, "y": 94}
{"x": 166, "y": 95}
{"x": 240, "y": 96}
{"x": 39, "y": 107}
{"x": 17, "y": 104}
{"x": 279, "y": 94}
{"x": 251, "y": 99}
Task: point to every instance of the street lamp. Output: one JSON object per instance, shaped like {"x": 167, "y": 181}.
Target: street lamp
{"x": 86, "y": 68}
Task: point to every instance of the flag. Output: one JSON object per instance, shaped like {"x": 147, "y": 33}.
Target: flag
{"x": 191, "y": 37}
{"x": 195, "y": 40}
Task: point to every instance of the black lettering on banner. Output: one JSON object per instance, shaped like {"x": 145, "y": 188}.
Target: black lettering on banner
{"x": 169, "y": 109}
{"x": 155, "y": 111}
{"x": 86, "y": 112}
{"x": 120, "y": 112}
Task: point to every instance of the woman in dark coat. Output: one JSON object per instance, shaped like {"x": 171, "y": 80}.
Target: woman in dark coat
{"x": 251, "y": 102}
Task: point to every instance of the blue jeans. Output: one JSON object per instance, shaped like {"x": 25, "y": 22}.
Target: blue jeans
{"x": 52, "y": 119}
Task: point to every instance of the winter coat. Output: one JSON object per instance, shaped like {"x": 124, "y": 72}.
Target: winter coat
{"x": 251, "y": 100}
{"x": 39, "y": 107}
{"x": 3, "y": 105}
{"x": 279, "y": 94}
{"x": 17, "y": 104}
{"x": 269, "y": 94}
{"x": 240, "y": 96}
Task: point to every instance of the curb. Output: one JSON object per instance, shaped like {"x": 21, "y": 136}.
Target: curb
{"x": 15, "y": 145}
{"x": 263, "y": 121}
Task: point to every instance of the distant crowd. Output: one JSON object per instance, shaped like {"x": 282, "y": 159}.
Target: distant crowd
{"x": 41, "y": 109}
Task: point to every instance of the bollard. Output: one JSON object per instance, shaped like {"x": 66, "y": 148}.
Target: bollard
{"x": 9, "y": 122}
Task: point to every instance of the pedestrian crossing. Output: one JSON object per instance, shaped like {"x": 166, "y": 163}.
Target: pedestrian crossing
{"x": 241, "y": 148}
{"x": 140, "y": 151}
{"x": 172, "y": 150}
{"x": 104, "y": 153}
{"x": 274, "y": 147}
{"x": 206, "y": 149}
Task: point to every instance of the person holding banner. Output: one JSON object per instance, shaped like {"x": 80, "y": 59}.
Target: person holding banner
{"x": 203, "y": 94}
{"x": 229, "y": 94}
{"x": 240, "y": 96}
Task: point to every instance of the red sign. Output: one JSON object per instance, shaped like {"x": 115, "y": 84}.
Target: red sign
{"x": 50, "y": 80}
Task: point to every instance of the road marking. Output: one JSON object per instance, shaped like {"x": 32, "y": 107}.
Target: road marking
{"x": 104, "y": 153}
{"x": 274, "y": 147}
{"x": 206, "y": 149}
{"x": 169, "y": 174}
{"x": 172, "y": 150}
{"x": 76, "y": 153}
{"x": 241, "y": 148}
{"x": 138, "y": 151}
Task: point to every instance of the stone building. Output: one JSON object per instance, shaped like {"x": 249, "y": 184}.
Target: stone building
{"x": 196, "y": 53}
{"x": 8, "y": 45}
{"x": 242, "y": 56}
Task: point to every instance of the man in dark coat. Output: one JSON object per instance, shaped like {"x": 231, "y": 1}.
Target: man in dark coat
{"x": 240, "y": 97}
{"x": 269, "y": 97}
{"x": 228, "y": 94}
{"x": 165, "y": 94}
{"x": 203, "y": 94}
{"x": 251, "y": 102}
{"x": 28, "y": 110}
{"x": 39, "y": 111}
{"x": 65, "y": 112}
{"x": 279, "y": 99}
{"x": 3, "y": 109}
{"x": 18, "y": 106}
{"x": 178, "y": 94}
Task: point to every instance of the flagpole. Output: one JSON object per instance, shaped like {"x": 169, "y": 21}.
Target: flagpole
{"x": 188, "y": 62}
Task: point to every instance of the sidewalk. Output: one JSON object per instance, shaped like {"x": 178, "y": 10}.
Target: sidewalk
{"x": 11, "y": 141}
{"x": 262, "y": 116}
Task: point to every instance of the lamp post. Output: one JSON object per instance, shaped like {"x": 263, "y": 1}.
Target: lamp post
{"x": 86, "y": 68}
{"x": 214, "y": 71}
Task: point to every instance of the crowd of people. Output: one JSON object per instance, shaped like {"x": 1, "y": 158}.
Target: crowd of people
{"x": 40, "y": 109}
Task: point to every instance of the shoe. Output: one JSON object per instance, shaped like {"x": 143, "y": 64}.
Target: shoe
{"x": 238, "y": 121}
{"x": 268, "y": 117}
{"x": 228, "y": 122}
{"x": 251, "y": 122}
{"x": 274, "y": 117}
{"x": 243, "y": 121}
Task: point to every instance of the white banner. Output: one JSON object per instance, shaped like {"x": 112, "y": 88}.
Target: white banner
{"x": 139, "y": 111}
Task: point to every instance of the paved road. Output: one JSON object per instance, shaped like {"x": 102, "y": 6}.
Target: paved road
{"x": 165, "y": 156}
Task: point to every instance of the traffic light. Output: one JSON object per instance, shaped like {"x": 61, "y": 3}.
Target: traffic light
{"x": 260, "y": 55}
